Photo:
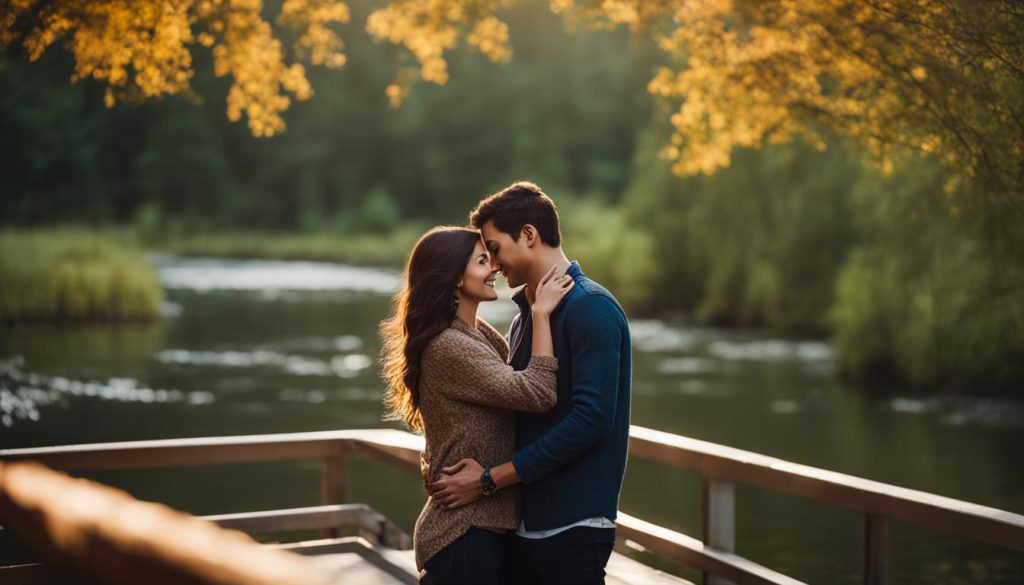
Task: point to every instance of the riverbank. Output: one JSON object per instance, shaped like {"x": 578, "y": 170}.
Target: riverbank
{"x": 608, "y": 249}
{"x": 368, "y": 249}
{"x": 67, "y": 275}
{"x": 75, "y": 274}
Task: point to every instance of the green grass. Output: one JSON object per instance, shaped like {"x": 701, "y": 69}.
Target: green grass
{"x": 72, "y": 274}
{"x": 61, "y": 275}
{"x": 360, "y": 249}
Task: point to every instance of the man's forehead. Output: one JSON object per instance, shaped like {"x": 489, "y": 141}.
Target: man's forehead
{"x": 490, "y": 234}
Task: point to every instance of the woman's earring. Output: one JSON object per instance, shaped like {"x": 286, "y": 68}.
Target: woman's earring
{"x": 456, "y": 297}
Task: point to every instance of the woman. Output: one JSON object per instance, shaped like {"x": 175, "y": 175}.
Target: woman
{"x": 447, "y": 376}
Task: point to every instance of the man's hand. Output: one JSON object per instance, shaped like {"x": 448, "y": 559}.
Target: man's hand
{"x": 460, "y": 485}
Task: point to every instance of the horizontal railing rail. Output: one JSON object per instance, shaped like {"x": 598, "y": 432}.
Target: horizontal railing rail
{"x": 368, "y": 520}
{"x": 719, "y": 466}
{"x": 924, "y": 509}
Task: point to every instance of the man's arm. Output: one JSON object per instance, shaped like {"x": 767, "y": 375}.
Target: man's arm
{"x": 461, "y": 483}
{"x": 595, "y": 338}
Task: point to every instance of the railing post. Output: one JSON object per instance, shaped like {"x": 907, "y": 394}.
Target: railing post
{"x": 719, "y": 511}
{"x": 333, "y": 485}
{"x": 876, "y": 550}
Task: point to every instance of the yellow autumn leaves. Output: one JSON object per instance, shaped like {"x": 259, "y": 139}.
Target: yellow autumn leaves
{"x": 939, "y": 77}
{"x": 428, "y": 28}
{"x": 142, "y": 47}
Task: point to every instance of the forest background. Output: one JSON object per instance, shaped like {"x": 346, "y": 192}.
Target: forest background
{"x": 910, "y": 259}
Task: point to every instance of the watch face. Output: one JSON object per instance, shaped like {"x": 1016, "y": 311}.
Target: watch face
{"x": 487, "y": 485}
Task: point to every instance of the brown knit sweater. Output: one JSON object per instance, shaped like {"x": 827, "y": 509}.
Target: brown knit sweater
{"x": 467, "y": 397}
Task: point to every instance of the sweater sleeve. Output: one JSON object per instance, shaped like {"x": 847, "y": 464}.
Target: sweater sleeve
{"x": 470, "y": 372}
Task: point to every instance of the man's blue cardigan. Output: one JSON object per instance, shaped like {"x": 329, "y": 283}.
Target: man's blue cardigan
{"x": 573, "y": 457}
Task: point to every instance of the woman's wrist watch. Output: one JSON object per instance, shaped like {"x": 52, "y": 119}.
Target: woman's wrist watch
{"x": 487, "y": 485}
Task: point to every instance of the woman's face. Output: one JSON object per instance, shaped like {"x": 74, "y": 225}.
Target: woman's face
{"x": 478, "y": 278}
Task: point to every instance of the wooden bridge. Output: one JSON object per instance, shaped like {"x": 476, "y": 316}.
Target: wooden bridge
{"x": 380, "y": 553}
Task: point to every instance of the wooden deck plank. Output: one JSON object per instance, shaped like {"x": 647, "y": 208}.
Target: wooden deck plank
{"x": 622, "y": 569}
{"x": 344, "y": 554}
{"x": 370, "y": 563}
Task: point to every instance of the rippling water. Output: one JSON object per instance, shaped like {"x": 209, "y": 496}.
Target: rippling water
{"x": 252, "y": 347}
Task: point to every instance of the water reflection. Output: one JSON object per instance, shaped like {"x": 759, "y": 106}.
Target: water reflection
{"x": 23, "y": 393}
{"x": 343, "y": 366}
{"x": 269, "y": 275}
{"x": 772, "y": 350}
{"x": 956, "y": 411}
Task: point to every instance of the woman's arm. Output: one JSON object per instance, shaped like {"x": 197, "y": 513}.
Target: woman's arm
{"x": 474, "y": 374}
{"x": 468, "y": 371}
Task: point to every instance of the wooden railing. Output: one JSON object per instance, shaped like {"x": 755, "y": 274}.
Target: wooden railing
{"x": 720, "y": 468}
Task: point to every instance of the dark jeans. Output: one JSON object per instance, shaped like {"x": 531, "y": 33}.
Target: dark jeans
{"x": 476, "y": 557}
{"x": 574, "y": 557}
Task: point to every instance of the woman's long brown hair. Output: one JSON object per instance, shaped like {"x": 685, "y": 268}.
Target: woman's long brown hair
{"x": 424, "y": 308}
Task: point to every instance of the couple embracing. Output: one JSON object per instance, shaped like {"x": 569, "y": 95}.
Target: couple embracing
{"x": 526, "y": 438}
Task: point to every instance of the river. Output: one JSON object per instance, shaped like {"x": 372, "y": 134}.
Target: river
{"x": 252, "y": 347}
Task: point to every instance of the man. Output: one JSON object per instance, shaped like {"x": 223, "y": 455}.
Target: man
{"x": 571, "y": 459}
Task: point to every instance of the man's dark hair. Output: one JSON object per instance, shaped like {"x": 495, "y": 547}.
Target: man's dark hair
{"x": 519, "y": 204}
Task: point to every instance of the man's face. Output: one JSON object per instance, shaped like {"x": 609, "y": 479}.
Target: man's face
{"x": 508, "y": 256}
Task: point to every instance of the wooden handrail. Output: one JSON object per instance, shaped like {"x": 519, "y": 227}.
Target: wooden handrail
{"x": 111, "y": 537}
{"x": 719, "y": 466}
{"x": 711, "y": 460}
{"x": 362, "y": 516}
{"x": 974, "y": 521}
{"x": 395, "y": 447}
{"x": 691, "y": 552}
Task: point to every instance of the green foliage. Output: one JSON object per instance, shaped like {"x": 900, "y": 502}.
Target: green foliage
{"x": 74, "y": 275}
{"x": 915, "y": 286}
{"x": 379, "y": 213}
{"x": 564, "y": 112}
{"x": 933, "y": 295}
{"x": 757, "y": 244}
{"x": 609, "y": 249}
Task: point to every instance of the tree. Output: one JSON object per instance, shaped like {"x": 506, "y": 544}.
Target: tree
{"x": 140, "y": 48}
{"x": 942, "y": 77}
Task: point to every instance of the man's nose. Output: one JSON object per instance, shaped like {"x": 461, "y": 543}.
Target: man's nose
{"x": 495, "y": 265}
